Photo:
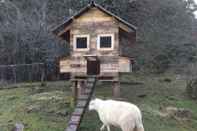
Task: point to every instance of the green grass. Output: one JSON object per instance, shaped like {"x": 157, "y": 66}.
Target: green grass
{"x": 47, "y": 108}
{"x": 158, "y": 94}
{"x": 38, "y": 108}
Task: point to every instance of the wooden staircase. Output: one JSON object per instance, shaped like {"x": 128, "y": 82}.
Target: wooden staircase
{"x": 82, "y": 104}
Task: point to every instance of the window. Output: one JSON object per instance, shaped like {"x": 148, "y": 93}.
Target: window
{"x": 105, "y": 42}
{"x": 81, "y": 42}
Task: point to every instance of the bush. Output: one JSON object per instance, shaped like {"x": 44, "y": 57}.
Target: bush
{"x": 160, "y": 64}
{"x": 192, "y": 88}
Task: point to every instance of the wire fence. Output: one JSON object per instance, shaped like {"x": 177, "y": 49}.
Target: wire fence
{"x": 35, "y": 72}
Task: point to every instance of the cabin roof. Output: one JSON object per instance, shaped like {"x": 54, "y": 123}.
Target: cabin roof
{"x": 61, "y": 27}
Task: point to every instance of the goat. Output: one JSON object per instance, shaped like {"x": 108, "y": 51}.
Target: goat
{"x": 118, "y": 113}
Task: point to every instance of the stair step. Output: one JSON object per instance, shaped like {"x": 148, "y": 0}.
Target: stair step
{"x": 88, "y": 91}
{"x": 78, "y": 111}
{"x": 83, "y": 97}
{"x": 81, "y": 104}
{"x": 89, "y": 85}
{"x": 71, "y": 128}
{"x": 75, "y": 120}
{"x": 91, "y": 80}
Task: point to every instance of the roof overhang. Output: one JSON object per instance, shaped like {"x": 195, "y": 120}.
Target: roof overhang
{"x": 64, "y": 27}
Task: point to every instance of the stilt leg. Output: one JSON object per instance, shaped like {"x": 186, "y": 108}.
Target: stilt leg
{"x": 74, "y": 91}
{"x": 81, "y": 85}
{"x": 116, "y": 89}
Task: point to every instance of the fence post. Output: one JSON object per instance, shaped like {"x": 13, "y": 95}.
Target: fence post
{"x": 9, "y": 72}
{"x": 43, "y": 73}
{"x": 14, "y": 73}
{"x": 1, "y": 70}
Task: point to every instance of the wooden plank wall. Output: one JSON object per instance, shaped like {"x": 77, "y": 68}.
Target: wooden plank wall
{"x": 94, "y": 23}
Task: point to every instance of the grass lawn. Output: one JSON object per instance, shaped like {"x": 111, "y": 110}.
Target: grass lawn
{"x": 39, "y": 108}
{"x": 47, "y": 108}
{"x": 159, "y": 93}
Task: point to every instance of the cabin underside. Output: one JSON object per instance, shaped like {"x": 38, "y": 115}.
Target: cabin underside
{"x": 104, "y": 67}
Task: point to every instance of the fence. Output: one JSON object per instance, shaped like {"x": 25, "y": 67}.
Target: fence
{"x": 30, "y": 73}
{"x": 22, "y": 73}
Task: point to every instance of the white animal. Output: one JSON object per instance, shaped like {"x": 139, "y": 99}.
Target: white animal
{"x": 118, "y": 113}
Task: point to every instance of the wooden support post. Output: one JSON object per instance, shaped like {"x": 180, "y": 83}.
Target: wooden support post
{"x": 81, "y": 85}
{"x": 78, "y": 88}
{"x": 116, "y": 89}
{"x": 74, "y": 91}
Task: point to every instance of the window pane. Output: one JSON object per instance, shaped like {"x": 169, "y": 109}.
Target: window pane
{"x": 105, "y": 42}
{"x": 82, "y": 42}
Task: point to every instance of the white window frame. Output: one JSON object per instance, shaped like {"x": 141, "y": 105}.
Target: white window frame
{"x": 75, "y": 42}
{"x": 105, "y": 35}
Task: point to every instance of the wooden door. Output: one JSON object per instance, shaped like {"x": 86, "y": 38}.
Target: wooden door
{"x": 93, "y": 67}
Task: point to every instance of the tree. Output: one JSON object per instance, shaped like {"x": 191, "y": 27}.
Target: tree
{"x": 165, "y": 27}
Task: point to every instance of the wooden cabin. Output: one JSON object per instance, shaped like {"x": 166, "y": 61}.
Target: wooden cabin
{"x": 97, "y": 38}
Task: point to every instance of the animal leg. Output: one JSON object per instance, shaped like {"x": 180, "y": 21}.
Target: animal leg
{"x": 102, "y": 127}
{"x": 108, "y": 128}
{"x": 128, "y": 127}
{"x": 140, "y": 128}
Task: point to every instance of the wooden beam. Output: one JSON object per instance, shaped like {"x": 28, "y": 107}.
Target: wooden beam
{"x": 125, "y": 28}
{"x": 64, "y": 31}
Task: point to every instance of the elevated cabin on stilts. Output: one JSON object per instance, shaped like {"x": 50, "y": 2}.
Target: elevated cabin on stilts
{"x": 97, "y": 38}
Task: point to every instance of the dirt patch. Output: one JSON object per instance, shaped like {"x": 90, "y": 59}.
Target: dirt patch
{"x": 55, "y": 95}
{"x": 179, "y": 114}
